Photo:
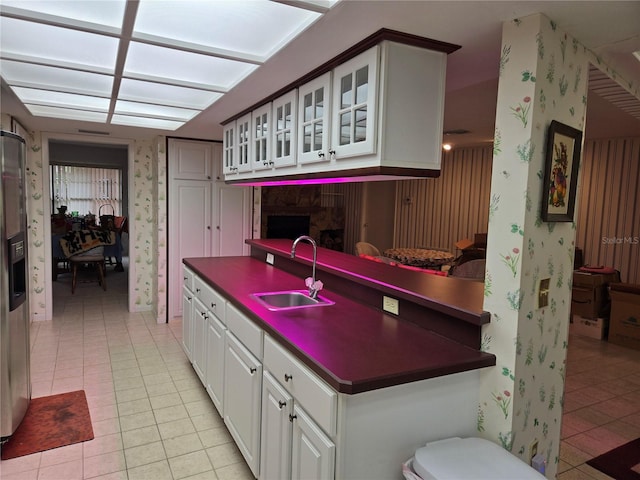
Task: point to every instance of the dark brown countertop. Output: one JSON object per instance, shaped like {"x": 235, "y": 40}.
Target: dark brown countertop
{"x": 353, "y": 347}
{"x": 458, "y": 297}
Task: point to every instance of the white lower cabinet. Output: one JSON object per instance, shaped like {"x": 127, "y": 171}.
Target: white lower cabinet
{"x": 187, "y": 321}
{"x": 242, "y": 394}
{"x": 294, "y": 446}
{"x": 277, "y": 416}
{"x": 289, "y": 424}
{"x": 198, "y": 356}
{"x": 216, "y": 332}
{"x": 313, "y": 454}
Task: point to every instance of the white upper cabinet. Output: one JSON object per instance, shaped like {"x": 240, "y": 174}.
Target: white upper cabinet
{"x": 380, "y": 110}
{"x": 314, "y": 100}
{"x": 229, "y": 145}
{"x": 353, "y": 119}
{"x": 236, "y": 150}
{"x": 261, "y": 127}
{"x": 284, "y": 129}
{"x": 243, "y": 127}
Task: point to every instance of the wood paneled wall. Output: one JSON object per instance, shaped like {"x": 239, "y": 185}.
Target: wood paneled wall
{"x": 439, "y": 212}
{"x": 608, "y": 220}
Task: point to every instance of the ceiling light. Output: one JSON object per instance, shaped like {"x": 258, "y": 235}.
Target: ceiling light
{"x": 446, "y": 147}
{"x": 148, "y": 63}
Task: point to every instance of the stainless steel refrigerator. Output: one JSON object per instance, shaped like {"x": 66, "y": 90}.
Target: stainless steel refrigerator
{"x": 15, "y": 383}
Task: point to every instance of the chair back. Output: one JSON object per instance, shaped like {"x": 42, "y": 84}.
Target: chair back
{"x": 365, "y": 248}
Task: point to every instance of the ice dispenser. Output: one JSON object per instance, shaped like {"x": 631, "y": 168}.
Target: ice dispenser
{"x": 17, "y": 271}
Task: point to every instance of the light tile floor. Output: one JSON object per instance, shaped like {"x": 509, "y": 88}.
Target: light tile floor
{"x": 601, "y": 404}
{"x": 152, "y": 419}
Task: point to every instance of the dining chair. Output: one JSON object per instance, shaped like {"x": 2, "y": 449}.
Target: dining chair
{"x": 93, "y": 258}
{"x": 365, "y": 248}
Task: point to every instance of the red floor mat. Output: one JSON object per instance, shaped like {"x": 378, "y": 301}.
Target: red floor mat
{"x": 51, "y": 422}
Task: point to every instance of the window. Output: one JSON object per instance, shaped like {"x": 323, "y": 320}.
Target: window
{"x": 85, "y": 190}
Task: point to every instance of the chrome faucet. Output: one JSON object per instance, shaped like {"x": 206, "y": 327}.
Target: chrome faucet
{"x": 314, "y": 286}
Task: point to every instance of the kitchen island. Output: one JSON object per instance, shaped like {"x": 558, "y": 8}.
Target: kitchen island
{"x": 363, "y": 387}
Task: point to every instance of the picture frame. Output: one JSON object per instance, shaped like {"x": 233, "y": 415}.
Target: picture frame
{"x": 560, "y": 179}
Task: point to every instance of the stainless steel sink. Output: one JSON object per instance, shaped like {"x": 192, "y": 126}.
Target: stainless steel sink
{"x": 290, "y": 299}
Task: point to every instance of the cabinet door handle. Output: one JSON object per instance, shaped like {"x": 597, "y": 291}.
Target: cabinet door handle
{"x": 197, "y": 290}
{"x": 213, "y": 305}
{"x": 287, "y": 377}
{"x": 291, "y": 417}
{"x": 184, "y": 278}
{"x": 189, "y": 298}
{"x": 320, "y": 154}
{"x": 252, "y": 370}
{"x": 282, "y": 404}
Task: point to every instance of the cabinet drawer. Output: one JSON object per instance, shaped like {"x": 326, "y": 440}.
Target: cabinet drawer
{"x": 211, "y": 299}
{"x": 245, "y": 330}
{"x": 187, "y": 278}
{"x": 318, "y": 399}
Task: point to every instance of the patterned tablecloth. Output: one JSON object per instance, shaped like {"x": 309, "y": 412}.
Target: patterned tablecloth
{"x": 419, "y": 257}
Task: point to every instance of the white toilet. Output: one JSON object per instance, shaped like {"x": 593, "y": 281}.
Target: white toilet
{"x": 469, "y": 459}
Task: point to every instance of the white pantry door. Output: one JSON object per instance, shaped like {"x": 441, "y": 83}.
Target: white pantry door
{"x": 190, "y": 200}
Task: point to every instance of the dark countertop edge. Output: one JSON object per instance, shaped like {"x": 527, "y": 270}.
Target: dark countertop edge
{"x": 340, "y": 385}
{"x": 476, "y": 318}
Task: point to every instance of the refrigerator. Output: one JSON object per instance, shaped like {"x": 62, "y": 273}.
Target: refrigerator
{"x": 15, "y": 383}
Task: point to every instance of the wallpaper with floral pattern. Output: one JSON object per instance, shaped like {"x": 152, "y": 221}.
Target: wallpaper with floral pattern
{"x": 543, "y": 77}
{"x": 142, "y": 251}
{"x": 160, "y": 276}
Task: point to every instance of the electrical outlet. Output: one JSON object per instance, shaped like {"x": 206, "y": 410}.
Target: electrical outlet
{"x": 390, "y": 305}
{"x": 533, "y": 449}
{"x": 270, "y": 258}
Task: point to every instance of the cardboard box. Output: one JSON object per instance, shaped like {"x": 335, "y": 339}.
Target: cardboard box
{"x": 586, "y": 302}
{"x": 589, "y": 327}
{"x": 625, "y": 315}
{"x": 589, "y": 295}
{"x": 592, "y": 280}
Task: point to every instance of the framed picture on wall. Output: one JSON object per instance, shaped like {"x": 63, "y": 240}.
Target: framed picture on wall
{"x": 561, "y": 172}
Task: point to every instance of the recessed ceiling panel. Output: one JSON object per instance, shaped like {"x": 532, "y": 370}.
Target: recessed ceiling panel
{"x": 257, "y": 27}
{"x": 137, "y": 90}
{"x": 160, "y": 111}
{"x": 102, "y": 12}
{"x": 185, "y": 66}
{"x": 53, "y": 44}
{"x": 66, "y": 113}
{"x": 63, "y": 100}
{"x": 145, "y": 122}
{"x": 30, "y": 75}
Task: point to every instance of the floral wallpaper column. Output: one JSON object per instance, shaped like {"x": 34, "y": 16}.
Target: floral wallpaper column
{"x": 143, "y": 228}
{"x": 36, "y": 196}
{"x": 160, "y": 308}
{"x": 543, "y": 77}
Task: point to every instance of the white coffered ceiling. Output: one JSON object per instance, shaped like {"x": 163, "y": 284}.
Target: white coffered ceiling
{"x": 143, "y": 67}
{"x": 151, "y": 63}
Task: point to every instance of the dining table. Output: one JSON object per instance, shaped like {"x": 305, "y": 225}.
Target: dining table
{"x": 420, "y": 257}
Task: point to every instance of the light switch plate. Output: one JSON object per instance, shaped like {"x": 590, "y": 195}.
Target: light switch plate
{"x": 390, "y": 305}
{"x": 270, "y": 258}
{"x": 543, "y": 293}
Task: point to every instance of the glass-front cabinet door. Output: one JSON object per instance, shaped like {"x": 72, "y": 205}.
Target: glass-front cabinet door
{"x": 284, "y": 129}
{"x": 313, "y": 120}
{"x": 354, "y": 105}
{"x": 229, "y": 153}
{"x": 243, "y": 138}
{"x": 261, "y": 137}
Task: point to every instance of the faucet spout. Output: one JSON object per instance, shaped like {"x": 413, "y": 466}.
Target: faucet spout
{"x": 313, "y": 291}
